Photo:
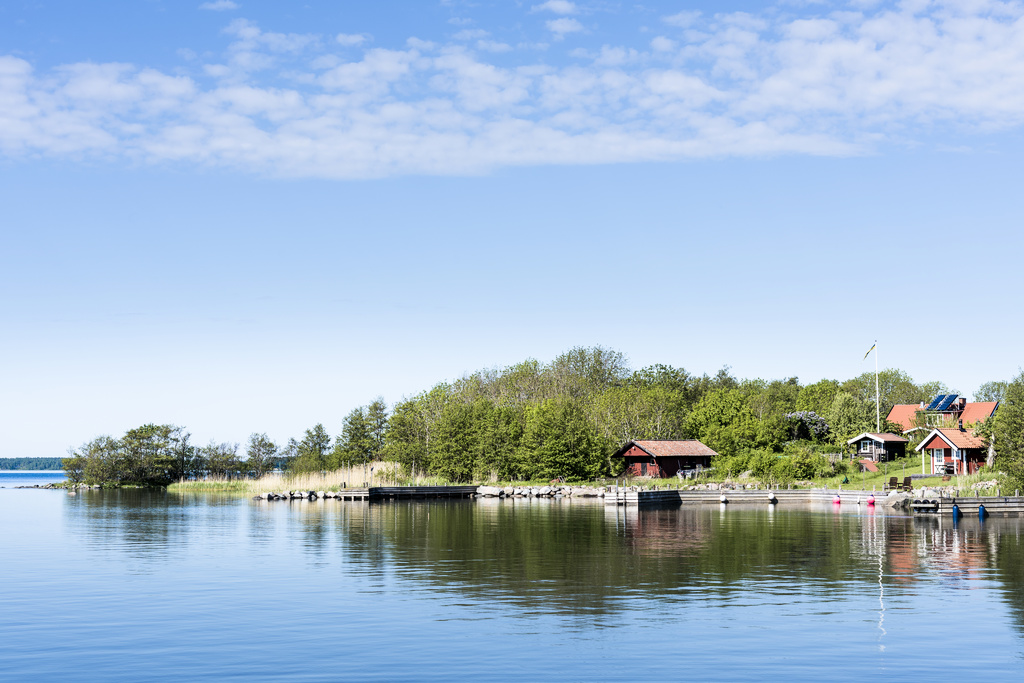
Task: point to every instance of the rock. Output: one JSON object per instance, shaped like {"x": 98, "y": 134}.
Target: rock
{"x": 508, "y": 490}
{"x": 897, "y": 499}
{"x": 321, "y": 494}
{"x": 544, "y": 491}
{"x": 490, "y": 491}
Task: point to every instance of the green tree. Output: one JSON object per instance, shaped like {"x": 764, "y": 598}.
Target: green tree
{"x": 723, "y": 421}
{"x": 407, "y": 436}
{"x": 377, "y": 424}
{"x": 849, "y": 416}
{"x": 1007, "y": 431}
{"x": 355, "y": 444}
{"x": 455, "y": 443}
{"x": 311, "y": 452}
{"x": 188, "y": 461}
{"x": 560, "y": 441}
{"x": 818, "y": 397}
{"x": 260, "y": 454}
{"x": 991, "y": 391}
{"x": 147, "y": 455}
{"x": 894, "y": 386}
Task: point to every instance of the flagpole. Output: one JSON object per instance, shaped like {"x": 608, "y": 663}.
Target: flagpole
{"x": 878, "y": 396}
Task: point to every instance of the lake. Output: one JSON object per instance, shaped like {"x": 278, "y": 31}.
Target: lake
{"x": 130, "y": 585}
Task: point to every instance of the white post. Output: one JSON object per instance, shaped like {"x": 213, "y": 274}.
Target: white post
{"x": 878, "y": 397}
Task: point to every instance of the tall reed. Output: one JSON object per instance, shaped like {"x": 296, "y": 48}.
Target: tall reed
{"x": 355, "y": 476}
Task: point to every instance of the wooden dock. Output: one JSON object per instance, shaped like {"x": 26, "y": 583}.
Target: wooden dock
{"x": 419, "y": 492}
{"x": 378, "y": 493}
{"x": 673, "y": 497}
{"x": 996, "y": 506}
{"x": 1005, "y": 506}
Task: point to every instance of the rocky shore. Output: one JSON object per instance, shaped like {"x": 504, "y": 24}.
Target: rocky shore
{"x": 554, "y": 491}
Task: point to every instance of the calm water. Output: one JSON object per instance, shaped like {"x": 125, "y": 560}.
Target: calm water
{"x": 11, "y": 478}
{"x": 136, "y": 586}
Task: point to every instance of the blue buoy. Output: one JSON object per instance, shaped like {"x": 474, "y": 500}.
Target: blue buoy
{"x": 956, "y": 512}
{"x": 982, "y": 512}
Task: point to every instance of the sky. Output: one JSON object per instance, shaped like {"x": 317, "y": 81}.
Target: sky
{"x": 242, "y": 216}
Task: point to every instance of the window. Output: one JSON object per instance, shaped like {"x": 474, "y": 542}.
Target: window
{"x": 865, "y": 446}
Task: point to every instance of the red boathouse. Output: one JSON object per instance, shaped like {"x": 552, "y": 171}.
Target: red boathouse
{"x": 664, "y": 458}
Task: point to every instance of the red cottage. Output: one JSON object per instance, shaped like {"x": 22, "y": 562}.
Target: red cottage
{"x": 954, "y": 451}
{"x": 664, "y": 458}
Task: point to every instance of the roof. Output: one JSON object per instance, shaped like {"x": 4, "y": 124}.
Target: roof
{"x": 666, "y": 448}
{"x": 903, "y": 414}
{"x": 956, "y": 438}
{"x": 978, "y": 412}
{"x": 884, "y": 438}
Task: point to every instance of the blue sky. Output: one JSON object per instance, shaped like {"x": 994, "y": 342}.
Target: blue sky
{"x": 254, "y": 218}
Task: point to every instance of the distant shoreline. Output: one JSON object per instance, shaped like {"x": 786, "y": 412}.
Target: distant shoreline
{"x": 32, "y": 464}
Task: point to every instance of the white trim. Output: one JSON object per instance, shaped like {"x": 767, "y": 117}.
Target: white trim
{"x": 934, "y": 433}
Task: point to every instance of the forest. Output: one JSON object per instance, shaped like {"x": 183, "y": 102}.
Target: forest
{"x": 30, "y": 463}
{"x": 540, "y": 421}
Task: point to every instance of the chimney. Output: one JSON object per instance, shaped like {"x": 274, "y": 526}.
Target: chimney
{"x": 961, "y": 425}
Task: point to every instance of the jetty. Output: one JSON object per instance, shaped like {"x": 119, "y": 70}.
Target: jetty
{"x": 1006, "y": 506}
{"x": 376, "y": 493}
{"x": 670, "y": 497}
{"x": 996, "y": 506}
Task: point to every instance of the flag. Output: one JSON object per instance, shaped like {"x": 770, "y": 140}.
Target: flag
{"x": 870, "y": 350}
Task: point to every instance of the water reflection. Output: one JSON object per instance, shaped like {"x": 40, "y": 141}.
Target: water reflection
{"x": 575, "y": 557}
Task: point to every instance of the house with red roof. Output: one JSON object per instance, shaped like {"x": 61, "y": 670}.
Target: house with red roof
{"x": 954, "y": 451}
{"x": 664, "y": 458}
{"x": 944, "y": 411}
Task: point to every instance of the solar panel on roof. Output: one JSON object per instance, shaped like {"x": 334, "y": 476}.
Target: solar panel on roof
{"x": 935, "y": 401}
{"x": 946, "y": 402}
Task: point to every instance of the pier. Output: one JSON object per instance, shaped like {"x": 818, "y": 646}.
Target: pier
{"x": 377, "y": 493}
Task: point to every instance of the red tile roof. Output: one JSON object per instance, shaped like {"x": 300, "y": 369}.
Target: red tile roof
{"x": 903, "y": 414}
{"x": 978, "y": 412}
{"x": 663, "y": 448}
{"x": 960, "y": 439}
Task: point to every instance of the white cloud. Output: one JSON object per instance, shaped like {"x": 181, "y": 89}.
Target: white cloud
{"x": 684, "y": 19}
{"x": 296, "y": 105}
{"x": 219, "y": 5}
{"x": 493, "y": 46}
{"x": 662, "y": 44}
{"x": 562, "y": 26}
{"x": 556, "y": 6}
{"x": 350, "y": 39}
{"x": 471, "y": 34}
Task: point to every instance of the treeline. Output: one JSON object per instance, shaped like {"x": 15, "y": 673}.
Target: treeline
{"x": 158, "y": 455}
{"x": 565, "y": 418}
{"x": 30, "y": 463}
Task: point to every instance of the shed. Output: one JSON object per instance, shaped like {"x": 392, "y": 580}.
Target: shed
{"x": 664, "y": 457}
{"x": 879, "y": 447}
